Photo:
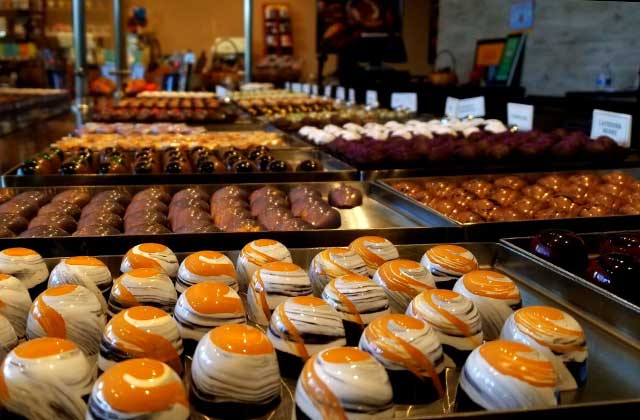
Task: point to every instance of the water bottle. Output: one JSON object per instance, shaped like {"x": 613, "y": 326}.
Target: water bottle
{"x": 603, "y": 82}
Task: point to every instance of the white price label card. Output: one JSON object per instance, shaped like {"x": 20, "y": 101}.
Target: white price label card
{"x": 327, "y": 91}
{"x": 371, "y": 98}
{"x": 296, "y": 87}
{"x": 314, "y": 90}
{"x": 451, "y": 107}
{"x": 306, "y": 88}
{"x": 352, "y": 96}
{"x": 612, "y": 124}
{"x": 520, "y": 115}
{"x": 221, "y": 91}
{"x": 287, "y": 85}
{"x": 406, "y": 100}
{"x": 471, "y": 107}
{"x": 340, "y": 93}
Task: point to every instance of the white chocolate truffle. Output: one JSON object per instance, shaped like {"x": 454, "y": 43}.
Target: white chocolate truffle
{"x": 150, "y": 255}
{"x": 206, "y": 266}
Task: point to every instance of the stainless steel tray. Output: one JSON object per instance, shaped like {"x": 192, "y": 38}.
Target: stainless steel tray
{"x": 372, "y": 214}
{"x": 407, "y": 205}
{"x": 621, "y": 313}
{"x": 333, "y": 170}
{"x": 608, "y": 388}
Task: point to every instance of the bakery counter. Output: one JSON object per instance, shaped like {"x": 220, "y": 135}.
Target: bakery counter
{"x": 202, "y": 167}
{"x": 268, "y": 284}
{"x": 601, "y": 270}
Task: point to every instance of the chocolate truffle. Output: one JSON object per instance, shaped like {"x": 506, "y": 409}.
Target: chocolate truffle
{"x": 343, "y": 382}
{"x": 301, "y": 327}
{"x": 257, "y": 253}
{"x": 359, "y": 300}
{"x": 141, "y": 331}
{"x": 15, "y": 303}
{"x": 46, "y": 378}
{"x": 495, "y": 295}
{"x": 447, "y": 263}
{"x": 139, "y": 388}
{"x": 204, "y": 306}
{"x": 84, "y": 271}
{"x": 204, "y": 267}
{"x": 150, "y": 255}
{"x": 410, "y": 351}
{"x": 68, "y": 311}
{"x": 271, "y": 285}
{"x": 345, "y": 197}
{"x": 454, "y": 318}
{"x": 234, "y": 373}
{"x": 555, "y": 334}
{"x": 8, "y": 337}
{"x": 142, "y": 286}
{"x": 562, "y": 248}
{"x": 332, "y": 263}
{"x": 375, "y": 251}
{"x": 27, "y": 266}
{"x": 402, "y": 280}
{"x": 523, "y": 377}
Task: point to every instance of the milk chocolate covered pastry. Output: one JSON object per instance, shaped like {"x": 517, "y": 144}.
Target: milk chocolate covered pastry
{"x": 142, "y": 286}
{"x": 138, "y": 388}
{"x": 345, "y": 197}
{"x": 27, "y": 266}
{"x": 150, "y": 255}
{"x": 359, "y": 300}
{"x": 8, "y": 337}
{"x": 402, "y": 280}
{"x": 204, "y": 267}
{"x": 447, "y": 263}
{"x": 257, "y": 253}
{"x": 411, "y": 352}
{"x": 343, "y": 383}
{"x": 235, "y": 373}
{"x": 141, "y": 331}
{"x": 15, "y": 303}
{"x": 204, "y": 306}
{"x": 504, "y": 375}
{"x": 555, "y": 334}
{"x": 273, "y": 284}
{"x": 332, "y": 263}
{"x": 375, "y": 251}
{"x": 299, "y": 328}
{"x": 45, "y": 379}
{"x": 84, "y": 271}
{"x": 454, "y": 318}
{"x": 68, "y": 311}
{"x": 495, "y": 295}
